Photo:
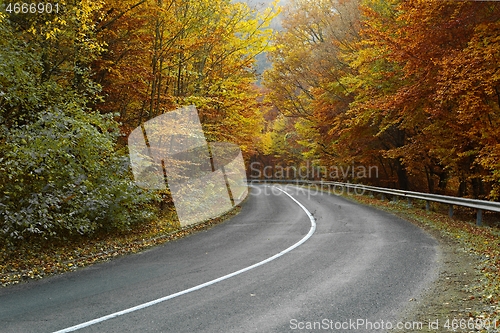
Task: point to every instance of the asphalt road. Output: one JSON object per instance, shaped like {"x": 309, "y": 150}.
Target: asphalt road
{"x": 358, "y": 270}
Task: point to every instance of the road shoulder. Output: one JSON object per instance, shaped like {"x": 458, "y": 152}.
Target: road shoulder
{"x": 449, "y": 299}
{"x": 452, "y": 299}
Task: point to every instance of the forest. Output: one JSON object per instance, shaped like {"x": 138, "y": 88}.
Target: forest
{"x": 409, "y": 88}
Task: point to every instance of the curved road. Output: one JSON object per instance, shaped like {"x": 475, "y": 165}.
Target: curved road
{"x": 358, "y": 270}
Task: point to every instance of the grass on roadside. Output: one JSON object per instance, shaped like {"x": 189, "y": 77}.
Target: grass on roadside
{"x": 40, "y": 259}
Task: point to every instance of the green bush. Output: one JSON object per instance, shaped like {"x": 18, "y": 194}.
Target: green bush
{"x": 62, "y": 175}
{"x": 61, "y": 172}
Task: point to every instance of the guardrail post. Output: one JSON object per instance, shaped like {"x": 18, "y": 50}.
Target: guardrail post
{"x": 394, "y": 199}
{"x": 410, "y": 205}
{"x": 479, "y": 218}
{"x": 450, "y": 211}
{"x": 382, "y": 197}
{"x": 427, "y": 205}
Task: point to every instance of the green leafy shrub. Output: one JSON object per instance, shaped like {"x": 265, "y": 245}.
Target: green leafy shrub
{"x": 62, "y": 175}
{"x": 61, "y": 172}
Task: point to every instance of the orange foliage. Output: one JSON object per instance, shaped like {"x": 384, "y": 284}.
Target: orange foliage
{"x": 413, "y": 88}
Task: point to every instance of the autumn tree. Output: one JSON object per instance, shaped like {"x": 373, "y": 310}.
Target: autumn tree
{"x": 410, "y": 47}
{"x": 305, "y": 83}
{"x": 410, "y": 86}
{"x": 60, "y": 172}
{"x": 467, "y": 91}
{"x": 164, "y": 54}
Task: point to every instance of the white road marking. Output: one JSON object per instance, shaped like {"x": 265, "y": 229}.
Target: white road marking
{"x": 203, "y": 285}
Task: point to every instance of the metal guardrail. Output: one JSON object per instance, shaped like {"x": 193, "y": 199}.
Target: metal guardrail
{"x": 479, "y": 205}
